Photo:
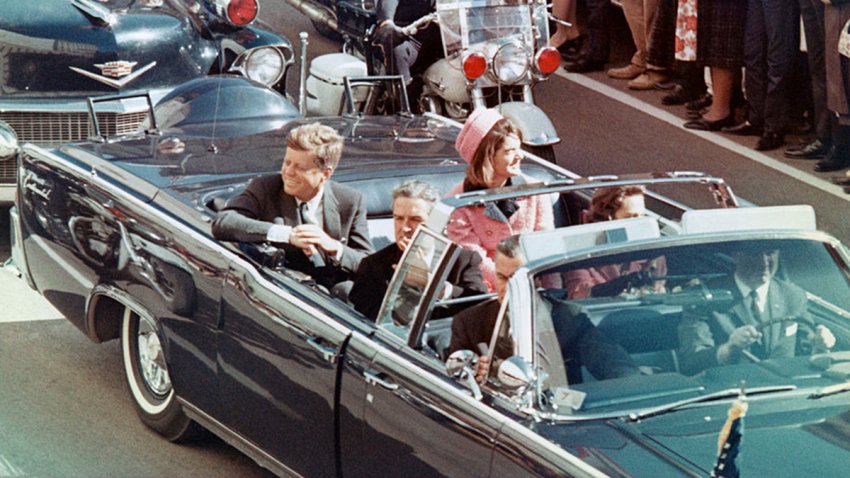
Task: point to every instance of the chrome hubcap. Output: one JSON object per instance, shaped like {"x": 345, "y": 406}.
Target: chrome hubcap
{"x": 152, "y": 361}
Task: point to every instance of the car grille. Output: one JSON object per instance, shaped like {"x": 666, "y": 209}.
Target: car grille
{"x": 8, "y": 170}
{"x": 48, "y": 129}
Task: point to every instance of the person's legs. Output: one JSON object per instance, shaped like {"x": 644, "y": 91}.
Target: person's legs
{"x": 633, "y": 10}
{"x": 598, "y": 38}
{"x": 812, "y": 13}
{"x": 755, "y": 58}
{"x": 779, "y": 24}
{"x": 719, "y": 113}
{"x": 722, "y": 80}
{"x": 564, "y": 10}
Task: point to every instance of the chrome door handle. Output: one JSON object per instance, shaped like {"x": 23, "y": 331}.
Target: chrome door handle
{"x": 373, "y": 378}
{"x": 327, "y": 353}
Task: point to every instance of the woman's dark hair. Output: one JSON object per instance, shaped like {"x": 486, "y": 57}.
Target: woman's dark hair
{"x": 606, "y": 201}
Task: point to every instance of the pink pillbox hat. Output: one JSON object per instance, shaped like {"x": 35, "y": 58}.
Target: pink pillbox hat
{"x": 479, "y": 123}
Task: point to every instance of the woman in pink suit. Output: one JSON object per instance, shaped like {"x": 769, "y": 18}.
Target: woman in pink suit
{"x": 490, "y": 144}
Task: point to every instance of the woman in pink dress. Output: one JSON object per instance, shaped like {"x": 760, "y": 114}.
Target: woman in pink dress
{"x": 490, "y": 144}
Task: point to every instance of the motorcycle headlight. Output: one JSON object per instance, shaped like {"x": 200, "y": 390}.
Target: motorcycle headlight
{"x": 511, "y": 63}
{"x": 264, "y": 64}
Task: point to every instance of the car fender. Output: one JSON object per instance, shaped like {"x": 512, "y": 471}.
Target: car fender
{"x": 537, "y": 129}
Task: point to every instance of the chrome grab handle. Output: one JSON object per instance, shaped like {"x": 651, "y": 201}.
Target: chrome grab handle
{"x": 327, "y": 353}
{"x": 373, "y": 378}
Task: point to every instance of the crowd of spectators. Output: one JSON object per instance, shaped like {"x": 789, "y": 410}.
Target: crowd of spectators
{"x": 763, "y": 68}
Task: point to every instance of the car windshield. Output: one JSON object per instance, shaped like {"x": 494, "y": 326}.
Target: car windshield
{"x": 645, "y": 328}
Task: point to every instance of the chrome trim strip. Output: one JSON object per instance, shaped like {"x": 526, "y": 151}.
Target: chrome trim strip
{"x": 117, "y": 84}
{"x": 236, "y": 440}
{"x": 76, "y": 105}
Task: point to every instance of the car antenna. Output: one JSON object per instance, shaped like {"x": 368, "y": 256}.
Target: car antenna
{"x": 212, "y": 148}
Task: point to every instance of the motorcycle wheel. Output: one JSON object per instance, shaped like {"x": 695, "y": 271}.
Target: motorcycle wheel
{"x": 543, "y": 152}
{"x": 326, "y": 31}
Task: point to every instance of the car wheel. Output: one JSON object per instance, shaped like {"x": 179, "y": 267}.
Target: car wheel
{"x": 149, "y": 381}
{"x": 543, "y": 152}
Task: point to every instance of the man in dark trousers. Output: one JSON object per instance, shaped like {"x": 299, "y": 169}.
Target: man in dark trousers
{"x": 321, "y": 225}
{"x": 770, "y": 40}
{"x": 412, "y": 203}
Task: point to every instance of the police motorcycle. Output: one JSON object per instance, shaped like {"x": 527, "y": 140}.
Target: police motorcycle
{"x": 495, "y": 51}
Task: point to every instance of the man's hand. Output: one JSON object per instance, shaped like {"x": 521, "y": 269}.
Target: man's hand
{"x": 310, "y": 236}
{"x": 482, "y": 369}
{"x": 389, "y": 33}
{"x": 821, "y": 338}
{"x": 739, "y": 339}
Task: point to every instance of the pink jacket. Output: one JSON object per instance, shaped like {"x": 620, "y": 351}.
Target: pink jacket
{"x": 580, "y": 281}
{"x": 480, "y": 228}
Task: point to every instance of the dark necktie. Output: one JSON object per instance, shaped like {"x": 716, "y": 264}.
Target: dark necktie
{"x": 304, "y": 214}
{"x": 754, "y": 307}
{"x": 317, "y": 258}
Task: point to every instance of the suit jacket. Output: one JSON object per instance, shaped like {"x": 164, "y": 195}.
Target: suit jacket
{"x": 375, "y": 272}
{"x": 249, "y": 216}
{"x": 481, "y": 228}
{"x": 701, "y": 334}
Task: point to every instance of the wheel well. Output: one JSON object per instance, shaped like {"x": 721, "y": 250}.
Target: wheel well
{"x": 105, "y": 318}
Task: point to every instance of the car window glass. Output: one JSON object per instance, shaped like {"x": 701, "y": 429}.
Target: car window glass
{"x": 627, "y": 344}
{"x": 412, "y": 282}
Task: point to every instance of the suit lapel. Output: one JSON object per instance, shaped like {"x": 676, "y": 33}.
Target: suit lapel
{"x": 330, "y": 212}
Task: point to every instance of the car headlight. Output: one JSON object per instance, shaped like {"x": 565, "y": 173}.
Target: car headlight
{"x": 265, "y": 65}
{"x": 8, "y": 142}
{"x": 511, "y": 63}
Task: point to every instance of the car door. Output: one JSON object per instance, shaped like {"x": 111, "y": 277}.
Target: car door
{"x": 415, "y": 419}
{"x": 278, "y": 354}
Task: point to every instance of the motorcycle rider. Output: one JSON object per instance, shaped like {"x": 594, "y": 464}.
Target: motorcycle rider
{"x": 404, "y": 55}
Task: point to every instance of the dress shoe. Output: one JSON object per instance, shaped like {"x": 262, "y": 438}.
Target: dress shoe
{"x": 695, "y": 114}
{"x": 570, "y": 50}
{"x": 627, "y": 72}
{"x": 678, "y": 96}
{"x": 703, "y": 124}
{"x": 832, "y": 162}
{"x": 744, "y": 129}
{"x": 813, "y": 150}
{"x": 669, "y": 84}
{"x": 770, "y": 140}
{"x": 841, "y": 180}
{"x": 648, "y": 80}
{"x": 583, "y": 65}
{"x": 700, "y": 103}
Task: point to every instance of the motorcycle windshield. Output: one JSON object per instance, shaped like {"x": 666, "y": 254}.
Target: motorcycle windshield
{"x": 484, "y": 26}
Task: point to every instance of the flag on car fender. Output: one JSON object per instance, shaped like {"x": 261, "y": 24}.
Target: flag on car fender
{"x": 729, "y": 442}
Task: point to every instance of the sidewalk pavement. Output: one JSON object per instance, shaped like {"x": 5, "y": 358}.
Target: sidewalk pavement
{"x": 19, "y": 303}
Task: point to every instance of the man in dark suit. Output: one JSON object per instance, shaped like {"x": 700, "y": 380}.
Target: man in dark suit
{"x": 412, "y": 203}
{"x": 767, "y": 319}
{"x": 321, "y": 225}
{"x": 579, "y": 341}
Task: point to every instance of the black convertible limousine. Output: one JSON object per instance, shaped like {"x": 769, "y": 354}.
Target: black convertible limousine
{"x": 116, "y": 235}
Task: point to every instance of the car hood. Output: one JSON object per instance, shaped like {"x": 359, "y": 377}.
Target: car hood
{"x": 41, "y": 41}
{"x": 788, "y": 437}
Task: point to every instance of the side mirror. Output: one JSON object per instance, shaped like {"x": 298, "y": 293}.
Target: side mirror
{"x": 8, "y": 142}
{"x": 461, "y": 365}
{"x": 515, "y": 374}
